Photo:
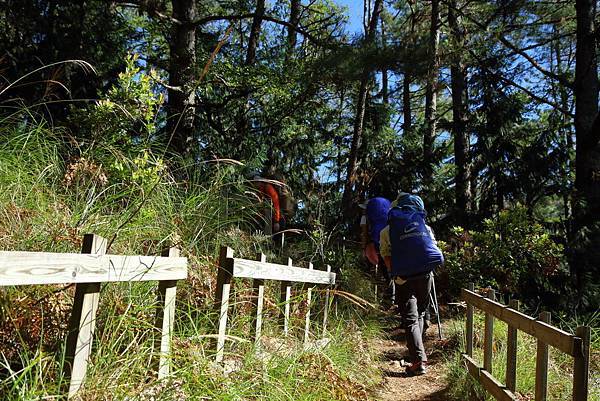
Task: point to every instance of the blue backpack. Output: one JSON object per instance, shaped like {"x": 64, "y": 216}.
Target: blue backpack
{"x": 414, "y": 252}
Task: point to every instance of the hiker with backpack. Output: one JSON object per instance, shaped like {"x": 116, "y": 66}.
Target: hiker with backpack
{"x": 287, "y": 202}
{"x": 374, "y": 219}
{"x": 268, "y": 192}
{"x": 287, "y": 205}
{"x": 411, "y": 255}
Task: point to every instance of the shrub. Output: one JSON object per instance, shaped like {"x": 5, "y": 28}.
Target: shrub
{"x": 119, "y": 132}
{"x": 512, "y": 253}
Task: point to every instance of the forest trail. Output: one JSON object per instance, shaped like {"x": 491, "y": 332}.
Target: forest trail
{"x": 396, "y": 385}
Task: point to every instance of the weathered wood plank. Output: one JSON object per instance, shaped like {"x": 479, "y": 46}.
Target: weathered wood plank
{"x": 511, "y": 352}
{"x": 223, "y": 323}
{"x": 225, "y": 269}
{"x": 308, "y": 304}
{"x": 469, "y": 331}
{"x": 488, "y": 339}
{"x": 222, "y": 297}
{"x": 165, "y": 317}
{"x": 326, "y": 307}
{"x": 581, "y": 364}
{"x": 258, "y": 295}
{"x": 497, "y": 389}
{"x": 271, "y": 271}
{"x": 472, "y": 366}
{"x": 285, "y": 296}
{"x": 31, "y": 268}
{"x": 550, "y": 335}
{"x": 541, "y": 365}
{"x": 83, "y": 321}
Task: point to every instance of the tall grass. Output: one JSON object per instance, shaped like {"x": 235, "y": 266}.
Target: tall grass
{"x": 49, "y": 198}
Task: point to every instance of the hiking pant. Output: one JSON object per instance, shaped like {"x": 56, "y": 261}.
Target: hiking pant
{"x": 413, "y": 302}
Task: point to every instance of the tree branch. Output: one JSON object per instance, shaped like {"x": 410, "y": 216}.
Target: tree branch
{"x": 524, "y": 89}
{"x": 152, "y": 12}
{"x": 213, "y": 18}
{"x": 560, "y": 78}
{"x": 534, "y": 96}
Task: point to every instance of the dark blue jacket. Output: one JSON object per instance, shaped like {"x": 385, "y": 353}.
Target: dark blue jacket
{"x": 377, "y": 216}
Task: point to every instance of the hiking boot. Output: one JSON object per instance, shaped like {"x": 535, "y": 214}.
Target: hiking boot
{"x": 416, "y": 369}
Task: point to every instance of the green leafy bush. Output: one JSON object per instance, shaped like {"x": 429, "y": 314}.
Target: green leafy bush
{"x": 119, "y": 131}
{"x": 512, "y": 253}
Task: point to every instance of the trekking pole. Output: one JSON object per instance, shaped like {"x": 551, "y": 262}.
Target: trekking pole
{"x": 376, "y": 278}
{"x": 436, "y": 307}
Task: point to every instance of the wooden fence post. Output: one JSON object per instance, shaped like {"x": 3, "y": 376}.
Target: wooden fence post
{"x": 83, "y": 320}
{"x": 326, "y": 309}
{"x": 286, "y": 295}
{"x": 308, "y": 302}
{"x": 165, "y": 316}
{"x": 488, "y": 339}
{"x": 222, "y": 297}
{"x": 258, "y": 294}
{"x": 469, "y": 331}
{"x": 511, "y": 352}
{"x": 541, "y": 364}
{"x": 581, "y": 365}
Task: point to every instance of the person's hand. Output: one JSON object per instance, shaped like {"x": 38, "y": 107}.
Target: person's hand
{"x": 371, "y": 253}
{"x": 275, "y": 227}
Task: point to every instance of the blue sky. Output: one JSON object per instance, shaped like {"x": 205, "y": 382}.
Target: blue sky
{"x": 355, "y": 14}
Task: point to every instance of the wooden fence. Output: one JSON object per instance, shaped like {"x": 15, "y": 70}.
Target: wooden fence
{"x": 259, "y": 270}
{"x": 578, "y": 346}
{"x": 88, "y": 270}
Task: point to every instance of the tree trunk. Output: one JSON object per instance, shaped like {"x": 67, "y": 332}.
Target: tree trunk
{"x": 562, "y": 97}
{"x": 294, "y": 21}
{"x": 255, "y": 32}
{"x": 587, "y": 158}
{"x": 431, "y": 93}
{"x": 347, "y": 197}
{"x": 243, "y": 123}
{"x": 406, "y": 109}
{"x": 181, "y": 97}
{"x": 459, "y": 110}
{"x": 384, "y": 71}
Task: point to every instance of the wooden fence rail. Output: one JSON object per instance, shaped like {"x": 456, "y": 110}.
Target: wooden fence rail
{"x": 577, "y": 346}
{"x": 88, "y": 270}
{"x": 260, "y": 270}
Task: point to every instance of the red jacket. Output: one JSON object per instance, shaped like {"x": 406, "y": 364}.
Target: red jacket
{"x": 271, "y": 192}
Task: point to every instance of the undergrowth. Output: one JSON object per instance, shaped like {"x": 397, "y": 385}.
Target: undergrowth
{"x": 50, "y": 200}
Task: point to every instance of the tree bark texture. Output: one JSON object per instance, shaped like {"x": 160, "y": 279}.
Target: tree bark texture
{"x": 292, "y": 35}
{"x": 255, "y": 32}
{"x": 459, "y": 110}
{"x": 406, "y": 107}
{"x": 384, "y": 72}
{"x": 347, "y": 197}
{"x": 243, "y": 123}
{"x": 587, "y": 158}
{"x": 431, "y": 93}
{"x": 181, "y": 97}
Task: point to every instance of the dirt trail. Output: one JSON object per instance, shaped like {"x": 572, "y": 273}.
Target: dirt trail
{"x": 397, "y": 386}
